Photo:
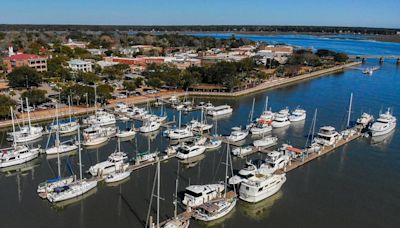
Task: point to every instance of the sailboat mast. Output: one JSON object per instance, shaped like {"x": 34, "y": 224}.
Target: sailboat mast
{"x": 252, "y": 110}
{"x": 314, "y": 124}
{"x": 22, "y": 112}
{"x": 226, "y": 169}
{"x": 29, "y": 115}
{"x": 176, "y": 193}
{"x": 180, "y": 117}
{"x": 79, "y": 150}
{"x": 13, "y": 126}
{"x": 266, "y": 104}
{"x": 58, "y": 143}
{"x": 158, "y": 193}
{"x": 119, "y": 144}
{"x": 349, "y": 114}
{"x": 69, "y": 108}
{"x": 95, "y": 99}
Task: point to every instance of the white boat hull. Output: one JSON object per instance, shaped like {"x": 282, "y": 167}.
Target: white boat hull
{"x": 257, "y": 198}
{"x": 383, "y": 132}
{"x": 115, "y": 177}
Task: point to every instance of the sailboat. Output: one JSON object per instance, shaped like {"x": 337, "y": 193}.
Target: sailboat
{"x": 201, "y": 126}
{"x": 50, "y": 185}
{"x": 220, "y": 207}
{"x": 17, "y": 154}
{"x": 179, "y": 133}
{"x": 120, "y": 173}
{"x": 66, "y": 126}
{"x": 146, "y": 156}
{"x": 60, "y": 148}
{"x": 26, "y": 133}
{"x": 214, "y": 142}
{"x": 101, "y": 117}
{"x": 76, "y": 188}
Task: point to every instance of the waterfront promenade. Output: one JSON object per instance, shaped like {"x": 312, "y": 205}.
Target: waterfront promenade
{"x": 45, "y": 115}
{"x": 277, "y": 82}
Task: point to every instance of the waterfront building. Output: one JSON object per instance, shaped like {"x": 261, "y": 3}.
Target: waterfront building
{"x": 80, "y": 65}
{"x": 75, "y": 44}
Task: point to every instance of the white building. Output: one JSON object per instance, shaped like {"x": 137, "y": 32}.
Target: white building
{"x": 80, "y": 65}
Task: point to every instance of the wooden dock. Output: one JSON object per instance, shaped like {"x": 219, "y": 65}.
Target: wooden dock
{"x": 297, "y": 163}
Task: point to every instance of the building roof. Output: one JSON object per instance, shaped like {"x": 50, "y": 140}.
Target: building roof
{"x": 23, "y": 57}
{"x": 78, "y": 62}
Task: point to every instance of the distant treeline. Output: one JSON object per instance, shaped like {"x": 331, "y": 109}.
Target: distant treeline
{"x": 199, "y": 28}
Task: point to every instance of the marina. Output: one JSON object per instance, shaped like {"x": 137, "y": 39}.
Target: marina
{"x": 123, "y": 201}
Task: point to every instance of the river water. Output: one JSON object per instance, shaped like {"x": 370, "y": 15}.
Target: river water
{"x": 355, "y": 186}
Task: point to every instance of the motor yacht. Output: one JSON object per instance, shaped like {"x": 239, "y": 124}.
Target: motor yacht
{"x": 150, "y": 126}
{"x": 266, "y": 141}
{"x": 237, "y": 134}
{"x": 384, "y": 124}
{"x": 242, "y": 150}
{"x": 189, "y": 151}
{"x": 327, "y": 136}
{"x": 196, "y": 195}
{"x": 116, "y": 161}
{"x": 365, "y": 119}
{"x": 17, "y": 154}
{"x": 261, "y": 127}
{"x": 62, "y": 148}
{"x": 281, "y": 120}
{"x": 220, "y": 110}
{"x": 298, "y": 115}
{"x": 259, "y": 187}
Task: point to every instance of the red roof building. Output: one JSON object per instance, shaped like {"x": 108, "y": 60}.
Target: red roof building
{"x": 39, "y": 63}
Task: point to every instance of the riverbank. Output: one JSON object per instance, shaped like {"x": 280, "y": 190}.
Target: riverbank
{"x": 270, "y": 84}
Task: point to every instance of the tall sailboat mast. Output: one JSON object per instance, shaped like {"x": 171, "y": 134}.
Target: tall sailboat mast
{"x": 13, "y": 127}
{"x": 29, "y": 115}
{"x": 349, "y": 114}
{"x": 57, "y": 143}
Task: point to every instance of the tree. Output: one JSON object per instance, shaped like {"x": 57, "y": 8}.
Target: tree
{"x": 35, "y": 96}
{"x": 24, "y": 77}
{"x": 154, "y": 82}
{"x": 138, "y": 82}
{"x": 88, "y": 78}
{"x": 104, "y": 93}
{"x": 129, "y": 85}
{"x": 5, "y": 103}
{"x": 341, "y": 57}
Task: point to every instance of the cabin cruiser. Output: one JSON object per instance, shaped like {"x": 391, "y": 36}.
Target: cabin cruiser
{"x": 180, "y": 133}
{"x": 189, "y": 151}
{"x": 365, "y": 119}
{"x": 249, "y": 170}
{"x": 261, "y": 127}
{"x": 237, "y": 134}
{"x": 298, "y": 115}
{"x": 145, "y": 157}
{"x": 196, "y": 195}
{"x": 17, "y": 154}
{"x": 72, "y": 190}
{"x": 281, "y": 119}
{"x": 259, "y": 187}
{"x": 96, "y": 135}
{"x": 115, "y": 162}
{"x": 217, "y": 208}
{"x": 126, "y": 133}
{"x": 200, "y": 126}
{"x": 275, "y": 160}
{"x": 150, "y": 126}
{"x": 267, "y": 141}
{"x": 266, "y": 116}
{"x": 327, "y": 136}
{"x": 62, "y": 148}
{"x": 242, "y": 151}
{"x": 121, "y": 107}
{"x": 101, "y": 118}
{"x": 383, "y": 125}
{"x": 220, "y": 110}
{"x": 213, "y": 143}
{"x": 117, "y": 176}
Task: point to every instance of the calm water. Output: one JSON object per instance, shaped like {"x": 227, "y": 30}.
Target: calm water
{"x": 355, "y": 186}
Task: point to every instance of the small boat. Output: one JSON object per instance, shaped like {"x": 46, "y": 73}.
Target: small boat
{"x": 275, "y": 160}
{"x": 150, "y": 126}
{"x": 298, "y": 115}
{"x": 213, "y": 143}
{"x": 126, "y": 133}
{"x": 266, "y": 141}
{"x": 117, "y": 176}
{"x": 100, "y": 118}
{"x": 237, "y": 134}
{"x": 189, "y": 151}
{"x": 145, "y": 157}
{"x": 50, "y": 185}
{"x": 180, "y": 133}
{"x": 242, "y": 151}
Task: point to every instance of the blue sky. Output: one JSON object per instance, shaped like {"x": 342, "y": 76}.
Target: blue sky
{"x": 371, "y": 13}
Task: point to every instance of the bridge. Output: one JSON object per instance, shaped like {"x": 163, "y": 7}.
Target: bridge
{"x": 380, "y": 57}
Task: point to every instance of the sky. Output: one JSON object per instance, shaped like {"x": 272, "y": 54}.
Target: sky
{"x": 366, "y": 13}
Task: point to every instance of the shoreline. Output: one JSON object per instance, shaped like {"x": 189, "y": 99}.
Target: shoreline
{"x": 48, "y": 115}
{"x": 277, "y": 82}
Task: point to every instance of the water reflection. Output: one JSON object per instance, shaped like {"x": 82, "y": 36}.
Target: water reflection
{"x": 382, "y": 141}
{"x": 59, "y": 206}
{"x": 261, "y": 210}
{"x": 193, "y": 161}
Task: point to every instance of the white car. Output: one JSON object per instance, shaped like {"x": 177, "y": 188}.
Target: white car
{"x": 120, "y": 96}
